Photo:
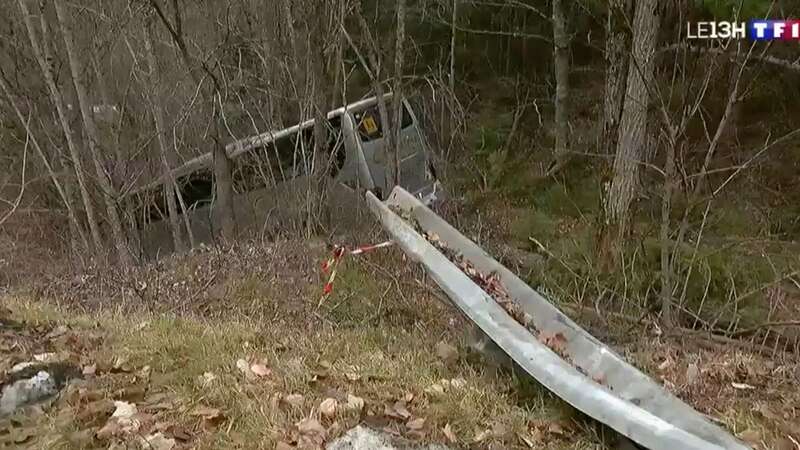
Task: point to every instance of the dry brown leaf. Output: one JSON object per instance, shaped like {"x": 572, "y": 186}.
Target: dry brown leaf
{"x": 435, "y": 389}
{"x": 557, "y": 342}
{"x": 206, "y": 412}
{"x": 206, "y": 379}
{"x": 46, "y": 357}
{"x": 120, "y": 364}
{"x": 90, "y": 370}
{"x": 446, "y": 352}
{"x": 157, "y": 441}
{"x": 499, "y": 430}
{"x": 532, "y": 440}
{"x": 416, "y": 424}
{"x": 398, "y": 410}
{"x": 180, "y": 433}
{"x": 211, "y": 416}
{"x": 135, "y": 423}
{"x": 312, "y": 433}
{"x": 260, "y": 370}
{"x": 328, "y": 407}
{"x": 354, "y": 403}
{"x": 283, "y": 446}
{"x": 448, "y": 433}
{"x": 352, "y": 376}
{"x": 95, "y": 412}
{"x": 692, "y": 374}
{"x": 109, "y": 430}
{"x": 124, "y": 410}
{"x": 244, "y": 367}
{"x": 144, "y": 373}
{"x": 295, "y": 400}
{"x": 482, "y": 436}
{"x": 458, "y": 383}
{"x": 555, "y": 428}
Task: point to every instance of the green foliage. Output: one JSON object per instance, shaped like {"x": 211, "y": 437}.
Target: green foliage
{"x": 489, "y": 140}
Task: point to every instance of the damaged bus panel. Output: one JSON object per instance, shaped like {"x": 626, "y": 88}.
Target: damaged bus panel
{"x": 270, "y": 171}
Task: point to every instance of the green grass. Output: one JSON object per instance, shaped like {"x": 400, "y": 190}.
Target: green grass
{"x": 346, "y": 350}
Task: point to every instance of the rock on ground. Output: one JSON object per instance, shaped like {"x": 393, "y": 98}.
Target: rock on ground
{"x": 33, "y": 383}
{"x": 363, "y": 438}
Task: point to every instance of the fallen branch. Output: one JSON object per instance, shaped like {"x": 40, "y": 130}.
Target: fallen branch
{"x": 778, "y": 62}
{"x": 755, "y": 329}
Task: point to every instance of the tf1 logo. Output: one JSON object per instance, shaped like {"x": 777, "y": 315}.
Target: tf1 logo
{"x": 756, "y": 30}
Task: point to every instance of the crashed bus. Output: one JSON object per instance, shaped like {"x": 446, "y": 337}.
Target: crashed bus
{"x": 270, "y": 174}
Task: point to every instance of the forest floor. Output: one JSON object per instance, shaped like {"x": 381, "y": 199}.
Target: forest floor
{"x": 228, "y": 349}
{"x": 252, "y": 362}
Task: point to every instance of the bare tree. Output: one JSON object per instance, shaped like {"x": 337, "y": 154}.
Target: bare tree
{"x": 632, "y": 143}
{"x": 56, "y": 98}
{"x": 453, "y": 19}
{"x": 374, "y": 68}
{"x": 223, "y": 178}
{"x": 561, "y": 63}
{"x": 65, "y": 198}
{"x": 170, "y": 190}
{"x": 616, "y": 72}
{"x": 108, "y": 191}
{"x": 398, "y": 92}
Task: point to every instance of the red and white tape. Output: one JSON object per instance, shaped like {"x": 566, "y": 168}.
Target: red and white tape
{"x": 331, "y": 264}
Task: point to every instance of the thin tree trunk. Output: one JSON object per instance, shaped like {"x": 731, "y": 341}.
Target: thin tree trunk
{"x": 109, "y": 193}
{"x": 375, "y": 78}
{"x": 73, "y": 218}
{"x": 158, "y": 119}
{"x": 58, "y": 102}
{"x": 397, "y": 98}
{"x": 223, "y": 178}
{"x": 561, "y": 58}
{"x": 453, "y": 20}
{"x": 633, "y": 125}
{"x": 666, "y": 210}
{"x": 616, "y": 73}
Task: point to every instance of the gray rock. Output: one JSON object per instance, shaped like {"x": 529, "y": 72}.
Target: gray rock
{"x": 27, "y": 391}
{"x": 363, "y": 438}
{"x": 33, "y": 384}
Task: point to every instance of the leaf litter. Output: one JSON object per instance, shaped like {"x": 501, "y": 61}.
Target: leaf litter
{"x": 492, "y": 285}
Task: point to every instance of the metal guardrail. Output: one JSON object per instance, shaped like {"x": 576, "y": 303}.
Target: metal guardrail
{"x": 627, "y": 400}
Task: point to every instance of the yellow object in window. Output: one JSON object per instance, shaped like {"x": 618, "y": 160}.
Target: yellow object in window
{"x": 369, "y": 125}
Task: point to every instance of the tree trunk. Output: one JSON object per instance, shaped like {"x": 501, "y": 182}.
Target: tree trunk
{"x": 561, "y": 58}
{"x": 58, "y": 101}
{"x": 375, "y": 77}
{"x": 616, "y": 73}
{"x": 223, "y": 178}
{"x": 397, "y": 98}
{"x": 223, "y": 181}
{"x": 453, "y": 20}
{"x": 666, "y": 209}
{"x": 158, "y": 119}
{"x": 109, "y": 193}
{"x": 75, "y": 226}
{"x": 633, "y": 124}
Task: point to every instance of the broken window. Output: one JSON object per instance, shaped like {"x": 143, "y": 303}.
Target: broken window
{"x": 369, "y": 123}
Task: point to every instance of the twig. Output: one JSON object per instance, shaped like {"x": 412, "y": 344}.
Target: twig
{"x": 746, "y": 331}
